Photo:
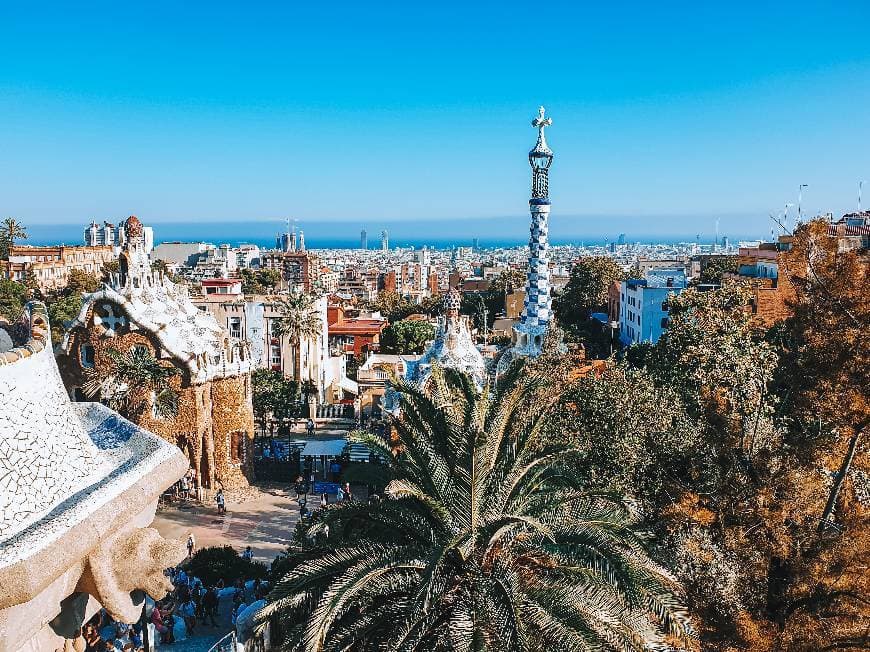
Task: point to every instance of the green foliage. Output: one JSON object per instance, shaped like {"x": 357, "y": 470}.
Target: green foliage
{"x": 712, "y": 273}
{"x": 406, "y": 337}
{"x": 61, "y": 310}
{"x": 486, "y": 539}
{"x": 13, "y": 296}
{"x": 630, "y": 434}
{"x": 223, "y": 563}
{"x": 586, "y": 291}
{"x": 80, "y": 282}
{"x": 262, "y": 281}
{"x": 394, "y": 307}
{"x": 298, "y": 319}
{"x": 132, "y": 382}
{"x": 273, "y": 394}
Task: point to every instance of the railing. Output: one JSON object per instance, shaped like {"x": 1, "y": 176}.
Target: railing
{"x": 227, "y": 644}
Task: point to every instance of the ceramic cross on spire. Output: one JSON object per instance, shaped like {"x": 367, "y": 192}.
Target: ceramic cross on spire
{"x": 540, "y": 122}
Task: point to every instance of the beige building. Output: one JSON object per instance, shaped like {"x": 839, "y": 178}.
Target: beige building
{"x": 51, "y": 266}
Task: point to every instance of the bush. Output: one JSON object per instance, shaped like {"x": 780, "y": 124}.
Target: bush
{"x": 223, "y": 562}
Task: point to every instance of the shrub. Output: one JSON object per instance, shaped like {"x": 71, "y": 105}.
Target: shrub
{"x": 223, "y": 562}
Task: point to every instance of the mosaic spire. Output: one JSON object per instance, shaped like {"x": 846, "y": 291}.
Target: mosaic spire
{"x": 537, "y": 307}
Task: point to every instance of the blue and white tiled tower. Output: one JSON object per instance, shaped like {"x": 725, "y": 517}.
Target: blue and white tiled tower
{"x": 537, "y": 311}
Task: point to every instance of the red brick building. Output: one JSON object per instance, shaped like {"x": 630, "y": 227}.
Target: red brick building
{"x": 356, "y": 336}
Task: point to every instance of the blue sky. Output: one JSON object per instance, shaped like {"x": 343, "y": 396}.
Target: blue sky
{"x": 667, "y": 115}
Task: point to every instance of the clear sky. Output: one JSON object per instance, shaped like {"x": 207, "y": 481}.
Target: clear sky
{"x": 420, "y": 110}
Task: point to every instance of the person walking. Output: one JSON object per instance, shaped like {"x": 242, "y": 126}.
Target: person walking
{"x": 221, "y": 502}
{"x": 191, "y": 545}
{"x": 209, "y": 606}
{"x": 339, "y": 495}
{"x": 324, "y": 500}
{"x": 310, "y": 427}
{"x": 348, "y": 494}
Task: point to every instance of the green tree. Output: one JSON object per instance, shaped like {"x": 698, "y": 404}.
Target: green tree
{"x": 299, "y": 321}
{"x": 269, "y": 279}
{"x": 273, "y": 394}
{"x": 712, "y": 273}
{"x": 392, "y": 305}
{"x": 13, "y": 296}
{"x": 406, "y": 337}
{"x": 80, "y": 282}
{"x": 10, "y": 231}
{"x": 586, "y": 291}
{"x": 485, "y": 541}
{"x": 62, "y": 309}
{"x": 132, "y": 382}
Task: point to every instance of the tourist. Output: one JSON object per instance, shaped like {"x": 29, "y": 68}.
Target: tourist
{"x": 221, "y": 504}
{"x": 191, "y": 544}
{"x": 324, "y": 500}
{"x": 185, "y": 487}
{"x": 248, "y": 554}
{"x": 299, "y": 486}
{"x": 187, "y": 611}
{"x": 339, "y": 495}
{"x": 310, "y": 427}
{"x": 348, "y": 494}
{"x": 210, "y": 606}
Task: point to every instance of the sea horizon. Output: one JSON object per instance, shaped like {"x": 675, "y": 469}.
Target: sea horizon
{"x": 439, "y": 234}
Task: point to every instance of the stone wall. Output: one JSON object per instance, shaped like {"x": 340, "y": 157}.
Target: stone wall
{"x": 233, "y": 428}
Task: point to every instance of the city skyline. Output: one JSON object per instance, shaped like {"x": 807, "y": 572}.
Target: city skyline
{"x": 676, "y": 116}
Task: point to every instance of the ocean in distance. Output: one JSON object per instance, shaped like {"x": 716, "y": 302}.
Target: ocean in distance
{"x": 490, "y": 232}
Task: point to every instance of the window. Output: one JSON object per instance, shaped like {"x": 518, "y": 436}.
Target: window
{"x": 86, "y": 355}
{"x": 236, "y": 446}
{"x": 275, "y": 356}
{"x": 235, "y": 324}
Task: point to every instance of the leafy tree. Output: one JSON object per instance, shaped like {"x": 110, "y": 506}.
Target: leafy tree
{"x": 392, "y": 305}
{"x": 132, "y": 382}
{"x": 406, "y": 337}
{"x": 110, "y": 267}
{"x": 486, "y": 540}
{"x": 10, "y": 231}
{"x": 273, "y": 394}
{"x": 299, "y": 321}
{"x": 13, "y": 296}
{"x": 62, "y": 309}
{"x": 712, "y": 273}
{"x": 586, "y": 291}
{"x": 261, "y": 281}
{"x": 80, "y": 282}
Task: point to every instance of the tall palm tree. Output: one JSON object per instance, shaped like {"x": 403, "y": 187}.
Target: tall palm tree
{"x": 133, "y": 381}
{"x": 299, "y": 321}
{"x": 10, "y": 231}
{"x": 486, "y": 540}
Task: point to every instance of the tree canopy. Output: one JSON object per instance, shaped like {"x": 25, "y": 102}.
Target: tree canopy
{"x": 487, "y": 539}
{"x": 586, "y": 291}
{"x": 406, "y": 337}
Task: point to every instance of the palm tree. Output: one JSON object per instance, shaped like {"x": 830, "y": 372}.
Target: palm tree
{"x": 486, "y": 540}
{"x": 10, "y": 231}
{"x": 133, "y": 381}
{"x": 300, "y": 322}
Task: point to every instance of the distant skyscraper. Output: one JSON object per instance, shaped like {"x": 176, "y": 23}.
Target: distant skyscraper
{"x": 475, "y": 244}
{"x": 385, "y": 240}
{"x": 363, "y": 239}
{"x": 621, "y": 239}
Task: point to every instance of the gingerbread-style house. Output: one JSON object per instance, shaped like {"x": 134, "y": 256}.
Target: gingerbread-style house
{"x": 138, "y": 307}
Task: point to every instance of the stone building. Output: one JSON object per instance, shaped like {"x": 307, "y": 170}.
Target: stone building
{"x": 78, "y": 488}
{"x": 214, "y": 423}
{"x": 51, "y": 266}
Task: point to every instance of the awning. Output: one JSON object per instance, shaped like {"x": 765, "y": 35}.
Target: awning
{"x": 328, "y": 447}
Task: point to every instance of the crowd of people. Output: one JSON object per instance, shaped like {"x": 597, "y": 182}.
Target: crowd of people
{"x": 190, "y": 607}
